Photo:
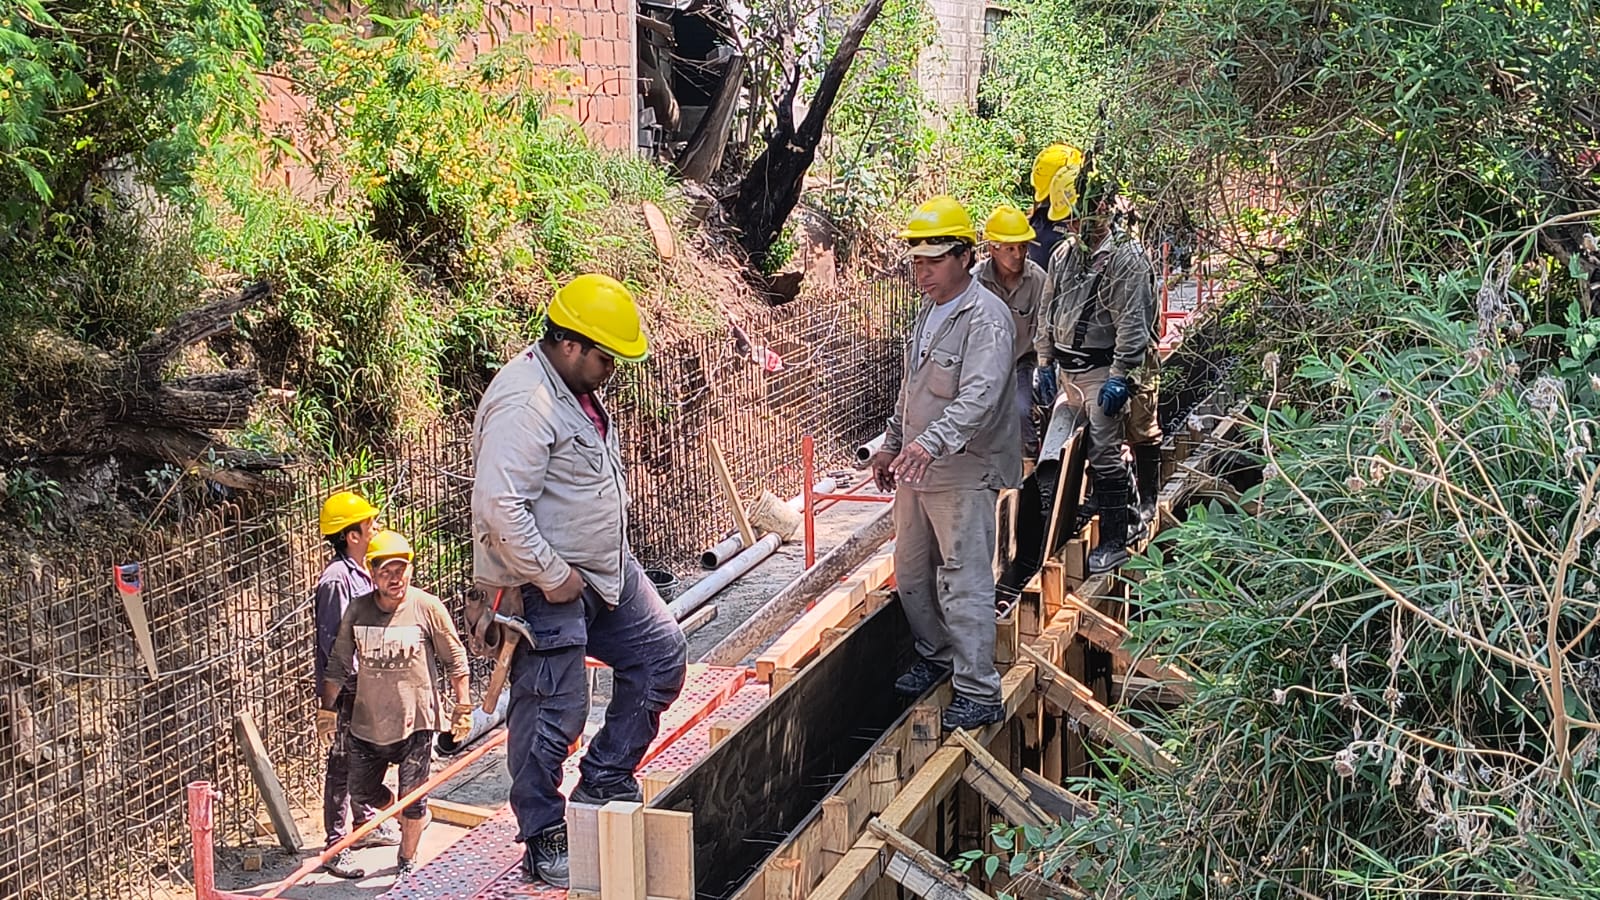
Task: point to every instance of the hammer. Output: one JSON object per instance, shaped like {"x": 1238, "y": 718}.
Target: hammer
{"x": 502, "y": 667}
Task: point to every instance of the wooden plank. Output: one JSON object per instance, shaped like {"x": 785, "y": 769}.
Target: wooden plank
{"x": 731, "y": 491}
{"x": 781, "y": 880}
{"x": 927, "y": 732}
{"x": 668, "y": 854}
{"x": 266, "y": 780}
{"x": 1075, "y": 698}
{"x": 653, "y": 782}
{"x": 721, "y": 728}
{"x": 622, "y": 851}
{"x": 1129, "y": 688}
{"x": 1056, "y": 800}
{"x": 922, "y": 872}
{"x": 583, "y": 847}
{"x": 831, "y": 609}
{"x": 1112, "y": 636}
{"x": 781, "y": 677}
{"x": 884, "y": 768}
{"x": 1005, "y": 638}
{"x": 998, "y": 786}
{"x": 464, "y": 815}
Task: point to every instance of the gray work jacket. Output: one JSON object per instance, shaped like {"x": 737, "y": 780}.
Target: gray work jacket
{"x": 958, "y": 399}
{"x": 1024, "y": 301}
{"x": 549, "y": 494}
{"x": 1124, "y": 314}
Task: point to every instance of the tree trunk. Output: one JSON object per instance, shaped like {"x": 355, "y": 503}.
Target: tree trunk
{"x": 769, "y": 191}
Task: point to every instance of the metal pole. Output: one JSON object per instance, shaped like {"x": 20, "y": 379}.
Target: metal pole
{"x": 807, "y": 466}
{"x": 1166, "y": 273}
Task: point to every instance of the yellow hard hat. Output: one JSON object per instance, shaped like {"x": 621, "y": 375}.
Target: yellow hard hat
{"x": 941, "y": 217}
{"x": 388, "y": 545}
{"x": 1050, "y": 161}
{"x": 1064, "y": 192}
{"x": 343, "y": 510}
{"x": 599, "y": 308}
{"x": 1008, "y": 225}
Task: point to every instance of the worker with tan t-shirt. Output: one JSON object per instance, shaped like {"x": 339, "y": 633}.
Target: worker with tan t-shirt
{"x": 397, "y": 632}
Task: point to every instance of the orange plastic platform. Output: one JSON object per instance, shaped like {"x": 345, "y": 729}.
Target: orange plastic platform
{"x": 485, "y": 863}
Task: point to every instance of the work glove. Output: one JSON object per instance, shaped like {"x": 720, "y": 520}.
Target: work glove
{"x": 461, "y": 722}
{"x": 327, "y": 723}
{"x": 1114, "y": 394}
{"x": 1044, "y": 385}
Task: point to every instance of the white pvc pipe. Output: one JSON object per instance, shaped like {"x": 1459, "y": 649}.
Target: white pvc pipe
{"x": 865, "y": 451}
{"x": 482, "y": 723}
{"x": 728, "y": 547}
{"x": 703, "y": 590}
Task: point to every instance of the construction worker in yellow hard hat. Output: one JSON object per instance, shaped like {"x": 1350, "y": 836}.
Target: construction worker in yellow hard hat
{"x": 399, "y": 636}
{"x": 948, "y": 450}
{"x": 1020, "y": 282}
{"x": 1056, "y": 164}
{"x": 348, "y": 522}
{"x": 1099, "y": 334}
{"x": 550, "y": 523}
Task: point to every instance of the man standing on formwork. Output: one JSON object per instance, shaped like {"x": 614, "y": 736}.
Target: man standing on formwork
{"x": 949, "y": 448}
{"x": 1096, "y": 329}
{"x": 549, "y": 526}
{"x": 347, "y": 522}
{"x": 396, "y": 634}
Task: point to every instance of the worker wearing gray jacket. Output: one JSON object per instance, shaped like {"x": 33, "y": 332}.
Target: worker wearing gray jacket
{"x": 950, "y": 447}
{"x": 1096, "y": 330}
{"x": 549, "y": 528}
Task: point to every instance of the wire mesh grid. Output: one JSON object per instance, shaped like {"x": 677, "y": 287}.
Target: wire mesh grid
{"x": 96, "y": 753}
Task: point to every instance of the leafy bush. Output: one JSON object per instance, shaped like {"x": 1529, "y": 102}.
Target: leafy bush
{"x": 1398, "y": 674}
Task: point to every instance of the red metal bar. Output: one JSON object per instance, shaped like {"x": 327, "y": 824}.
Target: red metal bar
{"x": 201, "y": 832}
{"x": 809, "y": 509}
{"x": 1166, "y": 273}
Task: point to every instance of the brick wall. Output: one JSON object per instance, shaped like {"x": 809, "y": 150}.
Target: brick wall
{"x": 948, "y": 71}
{"x": 600, "y": 70}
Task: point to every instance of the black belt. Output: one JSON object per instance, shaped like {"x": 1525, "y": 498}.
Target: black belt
{"x": 1084, "y": 359}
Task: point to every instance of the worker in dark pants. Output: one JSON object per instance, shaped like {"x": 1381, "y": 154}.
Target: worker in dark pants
{"x": 549, "y": 525}
{"x": 1093, "y": 344}
{"x": 347, "y": 522}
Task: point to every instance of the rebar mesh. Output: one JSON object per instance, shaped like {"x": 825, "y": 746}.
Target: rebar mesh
{"x": 96, "y": 754}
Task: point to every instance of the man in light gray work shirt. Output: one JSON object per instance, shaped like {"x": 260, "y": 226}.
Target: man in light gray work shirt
{"x": 950, "y": 447}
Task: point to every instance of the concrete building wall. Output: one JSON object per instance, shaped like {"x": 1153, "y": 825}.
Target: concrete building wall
{"x": 948, "y": 71}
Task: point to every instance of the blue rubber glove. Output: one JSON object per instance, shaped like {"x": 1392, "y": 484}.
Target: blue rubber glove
{"x": 1114, "y": 394}
{"x": 1044, "y": 385}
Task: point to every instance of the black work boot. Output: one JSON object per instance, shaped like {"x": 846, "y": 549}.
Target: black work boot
{"x": 965, "y": 712}
{"x": 1112, "y": 550}
{"x": 916, "y": 681}
{"x": 544, "y": 857}
{"x": 627, "y": 791}
{"x": 1147, "y": 475}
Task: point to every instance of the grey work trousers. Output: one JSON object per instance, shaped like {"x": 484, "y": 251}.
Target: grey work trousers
{"x": 944, "y": 567}
{"x": 1077, "y": 398}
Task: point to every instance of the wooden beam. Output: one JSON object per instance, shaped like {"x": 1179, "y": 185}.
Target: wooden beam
{"x": 622, "y": 851}
{"x": 919, "y": 870}
{"x": 266, "y": 779}
{"x": 1112, "y": 636}
{"x": 583, "y": 848}
{"x": 1077, "y": 699}
{"x": 832, "y": 608}
{"x": 463, "y": 815}
{"x": 1056, "y": 800}
{"x": 731, "y": 491}
{"x": 668, "y": 854}
{"x": 1128, "y": 688}
{"x": 995, "y": 783}
{"x": 781, "y": 880}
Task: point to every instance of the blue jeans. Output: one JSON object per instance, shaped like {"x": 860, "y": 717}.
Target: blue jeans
{"x": 645, "y": 648}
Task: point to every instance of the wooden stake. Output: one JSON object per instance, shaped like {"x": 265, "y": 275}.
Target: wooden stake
{"x": 998, "y": 786}
{"x": 668, "y": 854}
{"x": 583, "y": 847}
{"x": 922, "y": 873}
{"x": 720, "y": 463}
{"x": 622, "y": 853}
{"x": 1077, "y": 699}
{"x": 266, "y": 779}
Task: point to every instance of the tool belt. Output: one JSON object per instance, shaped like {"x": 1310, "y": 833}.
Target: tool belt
{"x": 1075, "y": 359}
{"x": 483, "y": 635}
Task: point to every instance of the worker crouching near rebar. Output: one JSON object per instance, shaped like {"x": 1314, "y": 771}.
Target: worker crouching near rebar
{"x": 552, "y": 562}
{"x": 950, "y": 447}
{"x": 395, "y": 634}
